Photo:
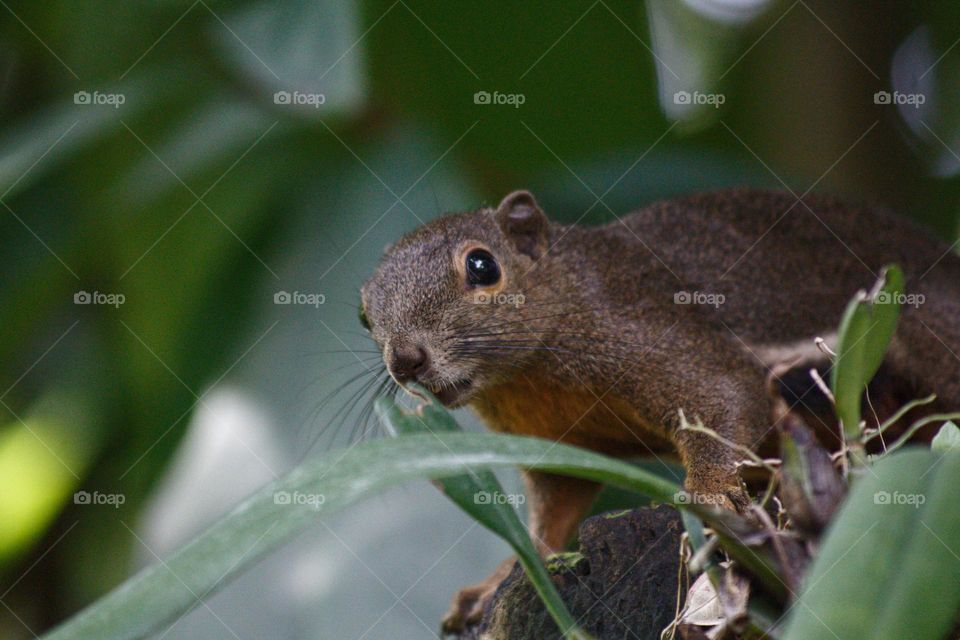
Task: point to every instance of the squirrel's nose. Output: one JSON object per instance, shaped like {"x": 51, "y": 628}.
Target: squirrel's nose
{"x": 409, "y": 362}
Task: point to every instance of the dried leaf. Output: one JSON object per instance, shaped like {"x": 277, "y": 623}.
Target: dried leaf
{"x": 811, "y": 488}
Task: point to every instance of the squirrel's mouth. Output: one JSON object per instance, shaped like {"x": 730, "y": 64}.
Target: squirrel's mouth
{"x": 453, "y": 393}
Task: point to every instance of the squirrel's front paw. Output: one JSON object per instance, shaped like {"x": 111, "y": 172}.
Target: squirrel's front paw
{"x": 722, "y": 491}
{"x": 468, "y": 605}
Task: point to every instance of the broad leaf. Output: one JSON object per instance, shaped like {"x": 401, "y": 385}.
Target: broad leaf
{"x": 888, "y": 566}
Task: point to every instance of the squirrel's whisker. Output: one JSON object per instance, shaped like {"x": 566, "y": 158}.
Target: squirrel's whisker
{"x": 366, "y": 377}
{"x": 339, "y": 419}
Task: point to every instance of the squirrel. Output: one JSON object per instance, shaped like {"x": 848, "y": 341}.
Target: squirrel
{"x": 599, "y": 336}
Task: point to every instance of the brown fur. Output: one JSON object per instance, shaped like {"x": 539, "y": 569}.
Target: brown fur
{"x": 600, "y": 355}
{"x": 577, "y": 416}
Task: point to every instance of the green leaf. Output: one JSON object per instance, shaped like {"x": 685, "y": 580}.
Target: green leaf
{"x": 160, "y": 593}
{"x": 319, "y": 487}
{"x": 55, "y": 134}
{"x": 63, "y": 127}
{"x": 910, "y": 431}
{"x": 311, "y": 48}
{"x": 476, "y": 493}
{"x": 946, "y": 439}
{"x": 888, "y": 566}
{"x": 695, "y": 47}
{"x": 463, "y": 490}
{"x": 207, "y": 139}
{"x": 865, "y": 331}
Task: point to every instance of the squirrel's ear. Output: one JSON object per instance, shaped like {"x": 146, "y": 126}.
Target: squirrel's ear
{"x": 522, "y": 221}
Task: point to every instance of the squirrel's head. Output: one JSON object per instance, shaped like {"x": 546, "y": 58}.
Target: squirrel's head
{"x": 448, "y": 303}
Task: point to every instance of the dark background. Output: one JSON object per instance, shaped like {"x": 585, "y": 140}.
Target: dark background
{"x": 200, "y": 197}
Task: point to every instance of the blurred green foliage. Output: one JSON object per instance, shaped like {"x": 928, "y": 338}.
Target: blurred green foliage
{"x": 200, "y": 195}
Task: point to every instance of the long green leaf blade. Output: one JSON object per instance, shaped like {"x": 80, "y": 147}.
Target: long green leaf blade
{"x": 865, "y": 331}
{"x": 497, "y": 516}
{"x": 159, "y": 594}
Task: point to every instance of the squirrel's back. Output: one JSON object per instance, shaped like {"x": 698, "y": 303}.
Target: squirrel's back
{"x": 784, "y": 268}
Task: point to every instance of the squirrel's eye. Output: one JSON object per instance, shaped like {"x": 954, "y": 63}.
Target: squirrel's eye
{"x": 363, "y": 318}
{"x": 482, "y": 268}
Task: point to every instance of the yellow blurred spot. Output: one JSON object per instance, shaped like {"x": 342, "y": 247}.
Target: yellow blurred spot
{"x": 36, "y": 478}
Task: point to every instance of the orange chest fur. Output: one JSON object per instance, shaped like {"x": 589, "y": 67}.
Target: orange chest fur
{"x": 542, "y": 408}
